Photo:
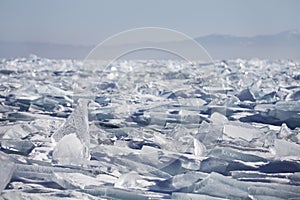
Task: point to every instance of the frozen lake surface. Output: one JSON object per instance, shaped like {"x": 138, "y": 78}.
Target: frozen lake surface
{"x": 149, "y": 129}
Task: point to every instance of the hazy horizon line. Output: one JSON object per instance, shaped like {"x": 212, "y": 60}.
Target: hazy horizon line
{"x": 297, "y": 31}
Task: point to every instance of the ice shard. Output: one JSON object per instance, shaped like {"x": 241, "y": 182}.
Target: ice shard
{"x": 6, "y": 170}
{"x": 23, "y": 147}
{"x": 199, "y": 148}
{"x": 72, "y": 139}
{"x": 246, "y": 95}
{"x": 284, "y": 131}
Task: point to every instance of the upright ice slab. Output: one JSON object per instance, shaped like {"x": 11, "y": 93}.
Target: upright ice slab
{"x": 6, "y": 170}
{"x": 72, "y": 140}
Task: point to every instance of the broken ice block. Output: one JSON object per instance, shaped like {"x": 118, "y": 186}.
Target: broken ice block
{"x": 209, "y": 133}
{"x": 40, "y": 172}
{"x": 199, "y": 148}
{"x": 214, "y": 165}
{"x": 281, "y": 112}
{"x": 241, "y": 130}
{"x": 76, "y": 181}
{"x": 222, "y": 186}
{"x": 227, "y": 153}
{"x": 47, "y": 126}
{"x": 283, "y": 148}
{"x": 76, "y": 124}
{"x": 295, "y": 178}
{"x": 141, "y": 168}
{"x": 222, "y": 166}
{"x": 284, "y": 131}
{"x": 187, "y": 179}
{"x": 6, "y": 170}
{"x": 69, "y": 150}
{"x": 246, "y": 95}
{"x": 23, "y": 147}
{"x": 191, "y": 196}
{"x": 42, "y": 193}
{"x": 17, "y": 131}
{"x": 294, "y": 96}
{"x": 272, "y": 193}
{"x": 116, "y": 193}
{"x": 218, "y": 118}
{"x": 132, "y": 180}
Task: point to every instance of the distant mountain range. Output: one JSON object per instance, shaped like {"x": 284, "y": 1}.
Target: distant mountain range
{"x": 284, "y": 45}
{"x": 56, "y": 51}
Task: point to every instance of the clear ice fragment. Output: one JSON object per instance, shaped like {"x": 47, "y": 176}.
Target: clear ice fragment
{"x": 6, "y": 170}
{"x": 132, "y": 180}
{"x": 218, "y": 118}
{"x": 77, "y": 126}
{"x": 241, "y": 130}
{"x": 77, "y": 181}
{"x": 209, "y": 133}
{"x": 199, "y": 148}
{"x": 69, "y": 150}
{"x": 222, "y": 186}
{"x": 17, "y": 131}
{"x": 227, "y": 153}
{"x": 283, "y": 148}
{"x": 284, "y": 131}
{"x": 187, "y": 179}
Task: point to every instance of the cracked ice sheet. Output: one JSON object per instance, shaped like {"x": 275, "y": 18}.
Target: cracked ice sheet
{"x": 247, "y": 128}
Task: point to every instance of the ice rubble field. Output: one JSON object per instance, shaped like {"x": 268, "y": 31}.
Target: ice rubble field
{"x": 149, "y": 130}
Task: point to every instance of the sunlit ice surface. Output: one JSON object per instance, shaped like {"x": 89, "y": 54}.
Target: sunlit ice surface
{"x": 149, "y": 129}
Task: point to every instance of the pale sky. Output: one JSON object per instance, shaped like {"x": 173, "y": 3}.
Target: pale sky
{"x": 91, "y": 21}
